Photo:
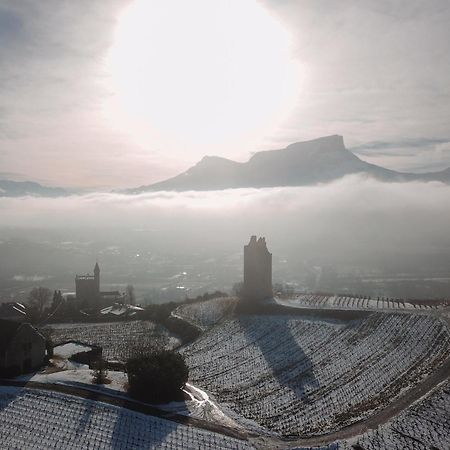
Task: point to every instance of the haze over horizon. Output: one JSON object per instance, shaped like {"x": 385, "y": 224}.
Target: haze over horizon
{"x": 99, "y": 96}
{"x": 90, "y": 99}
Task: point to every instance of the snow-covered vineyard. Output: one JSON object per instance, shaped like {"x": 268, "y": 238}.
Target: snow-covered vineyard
{"x": 300, "y": 377}
{"x": 46, "y": 420}
{"x": 118, "y": 339}
{"x": 424, "y": 426}
{"x": 207, "y": 313}
{"x": 32, "y": 419}
{"x": 351, "y": 302}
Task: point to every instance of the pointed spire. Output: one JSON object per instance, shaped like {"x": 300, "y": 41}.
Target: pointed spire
{"x": 96, "y": 268}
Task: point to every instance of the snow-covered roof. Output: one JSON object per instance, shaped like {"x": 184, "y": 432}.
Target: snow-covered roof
{"x": 119, "y": 309}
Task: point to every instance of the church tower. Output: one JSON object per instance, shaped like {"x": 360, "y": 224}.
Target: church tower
{"x": 257, "y": 270}
{"x": 88, "y": 288}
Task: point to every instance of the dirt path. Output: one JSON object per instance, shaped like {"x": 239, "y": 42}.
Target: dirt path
{"x": 381, "y": 417}
{"x": 129, "y": 404}
{"x": 372, "y": 422}
{"x": 259, "y": 441}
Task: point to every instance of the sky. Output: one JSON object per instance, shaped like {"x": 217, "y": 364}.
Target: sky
{"x": 128, "y": 92}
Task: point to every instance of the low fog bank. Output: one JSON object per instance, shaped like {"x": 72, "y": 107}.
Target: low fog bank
{"x": 356, "y": 226}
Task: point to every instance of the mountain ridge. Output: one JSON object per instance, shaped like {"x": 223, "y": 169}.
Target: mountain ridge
{"x": 299, "y": 164}
{"x": 10, "y": 188}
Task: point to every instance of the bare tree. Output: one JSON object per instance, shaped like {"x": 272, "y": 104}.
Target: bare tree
{"x": 100, "y": 372}
{"x": 131, "y": 296}
{"x": 38, "y": 299}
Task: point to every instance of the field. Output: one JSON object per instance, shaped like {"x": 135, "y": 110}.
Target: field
{"x": 207, "y": 313}
{"x": 424, "y": 426}
{"x": 352, "y": 302}
{"x": 303, "y": 377}
{"x": 118, "y": 339}
{"x": 32, "y": 419}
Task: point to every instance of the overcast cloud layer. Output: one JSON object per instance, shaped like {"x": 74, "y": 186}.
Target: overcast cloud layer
{"x": 374, "y": 71}
{"x": 355, "y": 217}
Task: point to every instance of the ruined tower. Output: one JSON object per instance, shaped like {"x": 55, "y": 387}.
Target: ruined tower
{"x": 97, "y": 277}
{"x": 257, "y": 270}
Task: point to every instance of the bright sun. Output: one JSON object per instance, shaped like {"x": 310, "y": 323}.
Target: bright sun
{"x": 200, "y": 75}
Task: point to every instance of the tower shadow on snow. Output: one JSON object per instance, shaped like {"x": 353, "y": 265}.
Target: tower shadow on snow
{"x": 287, "y": 360}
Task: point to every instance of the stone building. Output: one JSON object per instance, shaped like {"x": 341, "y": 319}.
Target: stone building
{"x": 22, "y": 347}
{"x": 257, "y": 270}
{"x": 87, "y": 288}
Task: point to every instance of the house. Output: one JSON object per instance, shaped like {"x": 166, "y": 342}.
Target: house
{"x": 22, "y": 347}
{"x": 13, "y": 311}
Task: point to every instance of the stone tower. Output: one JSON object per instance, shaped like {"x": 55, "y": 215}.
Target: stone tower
{"x": 257, "y": 270}
{"x": 97, "y": 277}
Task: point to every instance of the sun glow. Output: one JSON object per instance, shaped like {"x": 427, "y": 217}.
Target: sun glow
{"x": 200, "y": 75}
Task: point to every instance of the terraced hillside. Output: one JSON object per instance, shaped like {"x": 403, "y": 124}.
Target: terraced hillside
{"x": 207, "y": 313}
{"x": 424, "y": 426}
{"x": 354, "y": 302}
{"x": 118, "y": 339}
{"x": 304, "y": 377}
{"x": 47, "y": 420}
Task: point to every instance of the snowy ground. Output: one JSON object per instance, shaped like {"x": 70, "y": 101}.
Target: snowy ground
{"x": 70, "y": 349}
{"x": 198, "y": 404}
{"x": 117, "y": 339}
{"x": 32, "y": 419}
{"x": 349, "y": 302}
{"x": 424, "y": 426}
{"x": 207, "y": 313}
{"x": 265, "y": 344}
{"x": 80, "y": 376}
{"x": 298, "y": 376}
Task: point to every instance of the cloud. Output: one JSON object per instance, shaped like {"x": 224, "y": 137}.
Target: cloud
{"x": 357, "y": 218}
{"x": 376, "y": 71}
{"x": 372, "y": 71}
{"x": 379, "y": 146}
{"x": 11, "y": 27}
{"x": 416, "y": 155}
{"x": 52, "y": 88}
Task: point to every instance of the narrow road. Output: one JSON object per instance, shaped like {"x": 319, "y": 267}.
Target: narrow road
{"x": 265, "y": 442}
{"x": 129, "y": 404}
{"x": 259, "y": 441}
{"x": 370, "y": 423}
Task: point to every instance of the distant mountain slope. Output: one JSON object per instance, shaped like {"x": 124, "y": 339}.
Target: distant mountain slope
{"x": 303, "y": 163}
{"x": 10, "y": 188}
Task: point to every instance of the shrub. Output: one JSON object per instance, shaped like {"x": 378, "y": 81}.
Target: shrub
{"x": 157, "y": 377}
{"x": 100, "y": 372}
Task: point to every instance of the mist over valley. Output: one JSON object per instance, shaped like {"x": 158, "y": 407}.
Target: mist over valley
{"x": 355, "y": 235}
